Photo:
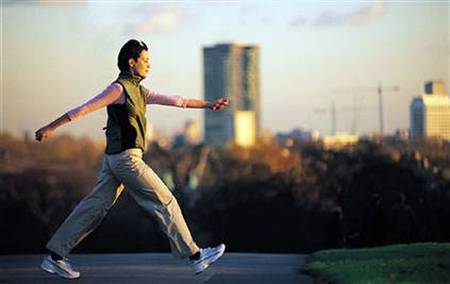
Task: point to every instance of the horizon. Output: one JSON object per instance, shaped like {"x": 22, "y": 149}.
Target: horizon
{"x": 307, "y": 51}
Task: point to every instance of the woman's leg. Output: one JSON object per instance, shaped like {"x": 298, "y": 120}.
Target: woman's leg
{"x": 154, "y": 197}
{"x": 88, "y": 214}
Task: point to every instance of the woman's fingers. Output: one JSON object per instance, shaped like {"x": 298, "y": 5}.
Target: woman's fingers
{"x": 38, "y": 135}
{"x": 42, "y": 134}
{"x": 220, "y": 104}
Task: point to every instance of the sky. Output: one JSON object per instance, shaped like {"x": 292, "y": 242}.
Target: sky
{"x": 55, "y": 55}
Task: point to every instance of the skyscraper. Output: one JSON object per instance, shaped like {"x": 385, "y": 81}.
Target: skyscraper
{"x": 430, "y": 112}
{"x": 232, "y": 71}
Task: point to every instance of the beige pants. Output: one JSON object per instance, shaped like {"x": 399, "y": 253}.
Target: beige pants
{"x": 119, "y": 171}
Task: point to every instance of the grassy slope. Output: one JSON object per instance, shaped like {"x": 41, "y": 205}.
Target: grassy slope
{"x": 415, "y": 263}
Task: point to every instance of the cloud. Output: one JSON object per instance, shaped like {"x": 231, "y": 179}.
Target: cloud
{"x": 45, "y": 2}
{"x": 59, "y": 2}
{"x": 299, "y": 21}
{"x": 360, "y": 16}
{"x": 367, "y": 14}
{"x": 156, "y": 19}
{"x": 163, "y": 22}
{"x": 329, "y": 18}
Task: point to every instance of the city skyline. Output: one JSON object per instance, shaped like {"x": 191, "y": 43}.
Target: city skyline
{"x": 55, "y": 56}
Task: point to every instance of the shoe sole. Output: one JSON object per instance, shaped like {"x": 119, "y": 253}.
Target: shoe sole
{"x": 210, "y": 261}
{"x": 46, "y": 268}
{"x": 52, "y": 269}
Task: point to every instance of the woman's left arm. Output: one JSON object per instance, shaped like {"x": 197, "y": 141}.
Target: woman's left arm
{"x": 215, "y": 105}
{"x": 171, "y": 100}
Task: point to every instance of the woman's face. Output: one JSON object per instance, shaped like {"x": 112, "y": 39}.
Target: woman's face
{"x": 141, "y": 66}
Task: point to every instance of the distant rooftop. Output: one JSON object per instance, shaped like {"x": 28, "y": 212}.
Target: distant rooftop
{"x": 231, "y": 44}
{"x": 435, "y": 87}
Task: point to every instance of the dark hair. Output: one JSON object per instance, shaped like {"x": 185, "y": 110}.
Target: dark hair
{"x": 131, "y": 49}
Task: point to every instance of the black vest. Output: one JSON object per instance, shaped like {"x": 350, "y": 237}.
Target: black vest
{"x": 127, "y": 125}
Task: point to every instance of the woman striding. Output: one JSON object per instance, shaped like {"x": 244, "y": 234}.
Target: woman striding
{"x": 123, "y": 167}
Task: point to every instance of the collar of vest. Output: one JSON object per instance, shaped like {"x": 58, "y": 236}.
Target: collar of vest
{"x": 135, "y": 79}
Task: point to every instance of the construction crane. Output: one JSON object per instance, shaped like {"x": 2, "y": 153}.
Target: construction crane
{"x": 333, "y": 116}
{"x": 380, "y": 90}
{"x": 355, "y": 109}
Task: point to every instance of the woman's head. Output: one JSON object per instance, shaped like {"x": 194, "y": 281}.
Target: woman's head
{"x": 134, "y": 57}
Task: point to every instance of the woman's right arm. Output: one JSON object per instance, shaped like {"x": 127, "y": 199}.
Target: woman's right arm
{"x": 46, "y": 132}
{"x": 111, "y": 95}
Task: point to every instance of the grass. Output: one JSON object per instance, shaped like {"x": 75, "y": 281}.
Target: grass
{"x": 415, "y": 263}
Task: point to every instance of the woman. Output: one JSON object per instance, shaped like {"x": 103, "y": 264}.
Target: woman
{"x": 123, "y": 167}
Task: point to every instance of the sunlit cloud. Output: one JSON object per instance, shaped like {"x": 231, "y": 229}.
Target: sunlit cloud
{"x": 360, "y": 16}
{"x": 164, "y": 21}
{"x": 156, "y": 19}
{"x": 367, "y": 14}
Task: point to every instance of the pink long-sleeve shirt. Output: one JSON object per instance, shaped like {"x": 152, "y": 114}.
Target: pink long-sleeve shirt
{"x": 114, "y": 94}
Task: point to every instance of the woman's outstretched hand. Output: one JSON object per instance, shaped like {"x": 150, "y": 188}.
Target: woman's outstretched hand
{"x": 44, "y": 133}
{"x": 218, "y": 104}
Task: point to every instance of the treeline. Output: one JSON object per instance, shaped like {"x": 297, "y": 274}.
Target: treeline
{"x": 266, "y": 199}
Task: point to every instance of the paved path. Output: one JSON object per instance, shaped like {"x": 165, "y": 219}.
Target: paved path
{"x": 160, "y": 268}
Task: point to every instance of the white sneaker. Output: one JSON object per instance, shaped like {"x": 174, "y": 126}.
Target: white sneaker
{"x": 60, "y": 267}
{"x": 207, "y": 257}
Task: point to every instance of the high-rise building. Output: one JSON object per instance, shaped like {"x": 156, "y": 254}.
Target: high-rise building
{"x": 232, "y": 71}
{"x": 430, "y": 112}
{"x": 244, "y": 128}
